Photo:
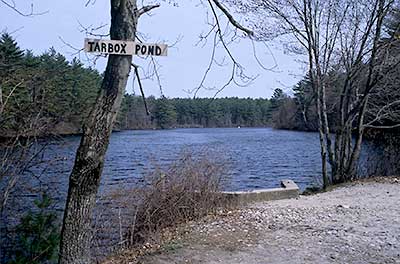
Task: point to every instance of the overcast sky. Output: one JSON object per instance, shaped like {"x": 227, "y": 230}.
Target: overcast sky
{"x": 185, "y": 64}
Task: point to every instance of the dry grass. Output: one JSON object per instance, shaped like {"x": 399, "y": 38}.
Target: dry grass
{"x": 186, "y": 190}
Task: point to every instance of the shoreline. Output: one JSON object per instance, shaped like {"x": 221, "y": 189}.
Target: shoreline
{"x": 4, "y": 136}
{"x": 357, "y": 222}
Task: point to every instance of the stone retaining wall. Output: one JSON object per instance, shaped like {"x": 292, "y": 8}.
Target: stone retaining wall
{"x": 288, "y": 190}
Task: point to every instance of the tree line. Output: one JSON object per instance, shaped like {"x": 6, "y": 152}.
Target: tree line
{"x": 56, "y": 96}
{"x": 198, "y": 112}
{"x": 43, "y": 93}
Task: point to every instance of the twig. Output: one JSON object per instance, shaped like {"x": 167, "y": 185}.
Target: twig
{"x": 15, "y": 9}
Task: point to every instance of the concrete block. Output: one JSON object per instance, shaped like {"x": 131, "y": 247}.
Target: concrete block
{"x": 289, "y": 190}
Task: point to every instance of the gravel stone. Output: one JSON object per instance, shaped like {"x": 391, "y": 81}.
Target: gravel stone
{"x": 356, "y": 223}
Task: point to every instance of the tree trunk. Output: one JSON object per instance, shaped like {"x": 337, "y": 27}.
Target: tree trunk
{"x": 325, "y": 177}
{"x": 1, "y": 97}
{"x": 351, "y": 169}
{"x": 85, "y": 177}
{"x": 315, "y": 82}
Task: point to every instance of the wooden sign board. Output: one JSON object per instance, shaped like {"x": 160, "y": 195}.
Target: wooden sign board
{"x": 121, "y": 47}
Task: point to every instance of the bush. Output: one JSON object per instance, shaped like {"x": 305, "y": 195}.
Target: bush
{"x": 37, "y": 235}
{"x": 187, "y": 190}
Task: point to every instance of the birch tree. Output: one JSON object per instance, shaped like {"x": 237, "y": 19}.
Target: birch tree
{"x": 341, "y": 41}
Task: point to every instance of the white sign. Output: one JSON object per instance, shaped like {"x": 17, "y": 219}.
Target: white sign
{"x": 150, "y": 49}
{"x": 121, "y": 47}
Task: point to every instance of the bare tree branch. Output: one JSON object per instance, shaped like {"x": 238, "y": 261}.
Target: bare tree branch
{"x": 13, "y": 6}
{"x": 219, "y": 38}
{"x": 231, "y": 18}
{"x": 147, "y": 8}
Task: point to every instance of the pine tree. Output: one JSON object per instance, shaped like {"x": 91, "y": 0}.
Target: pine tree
{"x": 165, "y": 114}
{"x": 11, "y": 59}
{"x": 10, "y": 54}
{"x": 277, "y": 99}
{"x": 37, "y": 235}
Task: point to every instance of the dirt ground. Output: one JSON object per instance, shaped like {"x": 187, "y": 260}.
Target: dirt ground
{"x": 357, "y": 223}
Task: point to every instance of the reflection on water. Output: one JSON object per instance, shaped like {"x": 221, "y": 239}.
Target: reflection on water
{"x": 257, "y": 158}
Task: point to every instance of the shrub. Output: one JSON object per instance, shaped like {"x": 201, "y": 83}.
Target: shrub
{"x": 186, "y": 190}
{"x": 37, "y": 235}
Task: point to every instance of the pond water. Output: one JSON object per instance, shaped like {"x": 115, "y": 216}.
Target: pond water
{"x": 256, "y": 158}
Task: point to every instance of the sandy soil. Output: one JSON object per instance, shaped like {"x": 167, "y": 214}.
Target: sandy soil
{"x": 358, "y": 223}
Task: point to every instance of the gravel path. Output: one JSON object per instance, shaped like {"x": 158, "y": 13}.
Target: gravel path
{"x": 358, "y": 223}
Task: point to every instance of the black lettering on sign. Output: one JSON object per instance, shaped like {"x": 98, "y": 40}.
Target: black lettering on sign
{"x": 90, "y": 45}
{"x": 110, "y": 48}
{"x": 103, "y": 47}
{"x": 158, "y": 51}
{"x": 123, "y": 46}
{"x": 116, "y": 48}
{"x": 97, "y": 47}
{"x": 137, "y": 48}
{"x": 143, "y": 50}
{"x": 151, "y": 50}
